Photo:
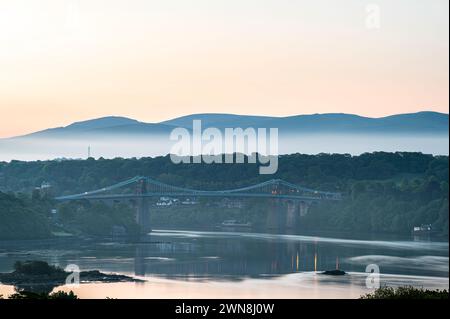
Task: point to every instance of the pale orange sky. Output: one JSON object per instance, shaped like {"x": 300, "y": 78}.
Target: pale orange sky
{"x": 69, "y": 60}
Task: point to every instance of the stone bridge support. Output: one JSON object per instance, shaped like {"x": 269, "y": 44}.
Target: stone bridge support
{"x": 139, "y": 260}
{"x": 292, "y": 217}
{"x": 304, "y": 207}
{"x": 295, "y": 210}
{"x": 143, "y": 208}
{"x": 276, "y": 215}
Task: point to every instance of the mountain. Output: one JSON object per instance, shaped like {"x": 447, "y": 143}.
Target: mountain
{"x": 413, "y": 123}
{"x": 112, "y": 136}
{"x": 422, "y": 122}
{"x": 105, "y": 126}
{"x": 219, "y": 120}
{"x": 78, "y": 127}
{"x": 103, "y": 122}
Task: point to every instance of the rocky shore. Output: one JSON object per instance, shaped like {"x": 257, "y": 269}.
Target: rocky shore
{"x": 39, "y": 275}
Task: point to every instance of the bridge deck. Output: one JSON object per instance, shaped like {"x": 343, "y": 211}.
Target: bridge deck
{"x": 133, "y": 196}
{"x": 270, "y": 189}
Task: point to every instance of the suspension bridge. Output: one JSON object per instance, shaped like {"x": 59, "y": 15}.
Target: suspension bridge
{"x": 297, "y": 197}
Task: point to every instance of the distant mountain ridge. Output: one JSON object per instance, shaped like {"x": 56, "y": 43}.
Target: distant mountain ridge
{"x": 410, "y": 123}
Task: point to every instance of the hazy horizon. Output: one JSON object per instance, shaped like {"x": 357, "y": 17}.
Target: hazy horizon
{"x": 32, "y": 149}
{"x": 119, "y": 137}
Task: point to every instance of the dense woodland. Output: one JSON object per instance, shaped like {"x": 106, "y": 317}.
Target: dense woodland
{"x": 383, "y": 192}
{"x": 22, "y": 218}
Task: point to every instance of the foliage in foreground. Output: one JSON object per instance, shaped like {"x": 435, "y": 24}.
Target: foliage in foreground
{"x": 43, "y": 296}
{"x": 407, "y": 292}
{"x": 23, "y": 294}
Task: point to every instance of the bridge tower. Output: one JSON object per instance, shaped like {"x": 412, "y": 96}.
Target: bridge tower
{"x": 142, "y": 208}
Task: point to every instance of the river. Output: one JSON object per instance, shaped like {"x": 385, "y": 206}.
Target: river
{"x": 238, "y": 264}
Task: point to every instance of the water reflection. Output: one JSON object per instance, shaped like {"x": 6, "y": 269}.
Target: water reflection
{"x": 239, "y": 257}
{"x": 235, "y": 257}
{"x": 224, "y": 258}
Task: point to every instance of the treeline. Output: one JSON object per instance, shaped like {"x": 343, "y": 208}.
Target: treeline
{"x": 97, "y": 219}
{"x": 389, "y": 192}
{"x": 325, "y": 171}
{"x": 23, "y": 218}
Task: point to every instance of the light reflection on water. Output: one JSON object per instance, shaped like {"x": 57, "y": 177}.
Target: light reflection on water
{"x": 292, "y": 286}
{"x": 208, "y": 264}
{"x": 425, "y": 245}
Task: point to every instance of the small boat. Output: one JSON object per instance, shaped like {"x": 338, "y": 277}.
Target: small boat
{"x": 235, "y": 223}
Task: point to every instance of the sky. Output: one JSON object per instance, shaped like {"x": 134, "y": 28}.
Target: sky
{"x": 63, "y": 61}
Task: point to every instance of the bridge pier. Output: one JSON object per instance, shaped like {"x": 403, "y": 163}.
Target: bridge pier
{"x": 139, "y": 260}
{"x": 292, "y": 214}
{"x": 143, "y": 208}
{"x": 276, "y": 216}
{"x": 296, "y": 210}
{"x": 286, "y": 214}
{"x": 303, "y": 207}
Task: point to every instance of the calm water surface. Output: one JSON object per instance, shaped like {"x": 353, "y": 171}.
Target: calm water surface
{"x": 219, "y": 264}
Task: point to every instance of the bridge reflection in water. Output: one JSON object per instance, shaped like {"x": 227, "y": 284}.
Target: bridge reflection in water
{"x": 288, "y": 201}
{"x": 230, "y": 258}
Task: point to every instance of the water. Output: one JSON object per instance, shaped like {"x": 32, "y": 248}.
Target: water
{"x": 216, "y": 264}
